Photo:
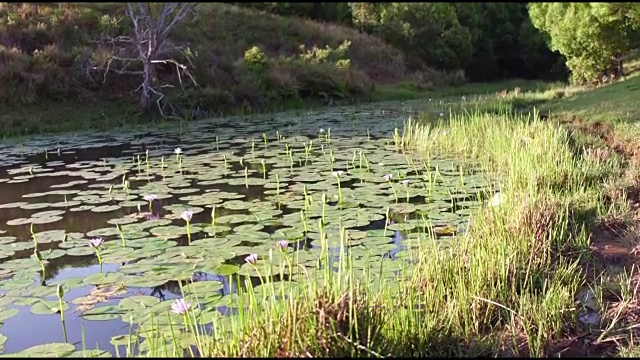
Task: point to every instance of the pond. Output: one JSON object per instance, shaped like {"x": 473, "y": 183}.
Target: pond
{"x": 247, "y": 183}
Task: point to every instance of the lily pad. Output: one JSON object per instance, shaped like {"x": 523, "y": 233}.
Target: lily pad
{"x": 47, "y": 350}
{"x": 48, "y": 307}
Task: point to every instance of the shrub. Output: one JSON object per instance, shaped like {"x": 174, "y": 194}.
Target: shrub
{"x": 281, "y": 80}
{"x": 254, "y": 57}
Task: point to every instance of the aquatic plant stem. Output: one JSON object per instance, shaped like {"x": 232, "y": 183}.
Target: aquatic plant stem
{"x": 124, "y": 243}
{"x": 304, "y": 221}
{"x": 188, "y": 233}
{"x": 395, "y": 194}
{"x": 324, "y": 207}
{"x": 99, "y": 257}
{"x": 60, "y": 293}
{"x": 386, "y": 221}
{"x": 41, "y": 261}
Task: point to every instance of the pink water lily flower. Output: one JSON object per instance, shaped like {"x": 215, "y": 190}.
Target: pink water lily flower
{"x": 96, "y": 242}
{"x": 251, "y": 259}
{"x": 180, "y": 306}
{"x": 282, "y": 244}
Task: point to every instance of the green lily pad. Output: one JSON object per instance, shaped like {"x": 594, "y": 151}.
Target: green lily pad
{"x": 45, "y": 307}
{"x": 47, "y": 350}
{"x": 203, "y": 287}
{"x": 107, "y": 312}
{"x": 226, "y": 269}
{"x": 104, "y": 278}
{"x": 7, "y": 313}
{"x": 138, "y": 302}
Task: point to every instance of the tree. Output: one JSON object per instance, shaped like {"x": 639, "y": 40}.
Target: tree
{"x": 147, "y": 48}
{"x": 429, "y": 33}
{"x": 366, "y": 16}
{"x": 594, "y": 37}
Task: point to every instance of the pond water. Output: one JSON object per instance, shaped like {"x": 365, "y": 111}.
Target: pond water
{"x": 261, "y": 178}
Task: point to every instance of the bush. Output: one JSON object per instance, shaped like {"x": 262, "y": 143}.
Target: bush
{"x": 254, "y": 57}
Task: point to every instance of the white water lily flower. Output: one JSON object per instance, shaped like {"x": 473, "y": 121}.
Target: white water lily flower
{"x": 338, "y": 173}
{"x": 178, "y": 151}
{"x": 186, "y": 215}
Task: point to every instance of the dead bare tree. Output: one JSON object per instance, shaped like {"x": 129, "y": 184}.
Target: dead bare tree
{"x": 149, "y": 46}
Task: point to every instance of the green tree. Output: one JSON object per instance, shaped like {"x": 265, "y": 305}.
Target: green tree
{"x": 594, "y": 37}
{"x": 429, "y": 33}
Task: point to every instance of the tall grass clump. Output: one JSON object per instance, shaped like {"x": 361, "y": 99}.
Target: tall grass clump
{"x": 506, "y": 286}
{"x": 516, "y": 253}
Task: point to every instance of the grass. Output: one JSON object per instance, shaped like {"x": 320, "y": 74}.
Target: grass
{"x": 47, "y": 47}
{"x": 506, "y": 287}
{"x": 47, "y": 89}
{"x": 55, "y": 117}
{"x": 514, "y": 284}
{"x": 510, "y": 286}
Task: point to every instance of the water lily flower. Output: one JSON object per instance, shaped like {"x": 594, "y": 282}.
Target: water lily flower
{"x": 180, "y": 306}
{"x": 282, "y": 244}
{"x": 187, "y": 215}
{"x": 178, "y": 151}
{"x": 251, "y": 259}
{"x": 96, "y": 242}
{"x": 338, "y": 173}
{"x": 441, "y": 114}
{"x": 388, "y": 177}
{"x": 321, "y": 131}
{"x": 405, "y": 182}
{"x": 150, "y": 197}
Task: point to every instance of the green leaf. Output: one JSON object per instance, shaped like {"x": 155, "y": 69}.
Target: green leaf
{"x": 47, "y": 350}
{"x": 107, "y": 312}
{"x": 8, "y": 313}
{"x": 45, "y": 307}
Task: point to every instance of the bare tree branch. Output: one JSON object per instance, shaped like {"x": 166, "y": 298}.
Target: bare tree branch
{"x": 148, "y": 46}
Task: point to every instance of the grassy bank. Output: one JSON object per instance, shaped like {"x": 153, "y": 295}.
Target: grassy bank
{"x": 529, "y": 276}
{"x": 508, "y": 286}
{"x": 56, "y": 117}
{"x": 244, "y": 60}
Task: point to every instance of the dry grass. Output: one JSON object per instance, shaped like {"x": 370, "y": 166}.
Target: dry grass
{"x": 232, "y": 30}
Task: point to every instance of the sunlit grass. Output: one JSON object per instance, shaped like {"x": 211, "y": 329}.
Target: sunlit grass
{"x": 511, "y": 280}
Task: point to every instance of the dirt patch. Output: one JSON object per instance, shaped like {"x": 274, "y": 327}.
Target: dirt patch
{"x": 614, "y": 247}
{"x": 579, "y": 346}
{"x": 615, "y": 243}
{"x": 604, "y": 131}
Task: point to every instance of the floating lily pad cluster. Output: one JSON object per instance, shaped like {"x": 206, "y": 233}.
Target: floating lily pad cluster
{"x": 177, "y": 212}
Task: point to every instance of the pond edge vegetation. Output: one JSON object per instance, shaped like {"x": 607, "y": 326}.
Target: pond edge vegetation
{"x": 513, "y": 285}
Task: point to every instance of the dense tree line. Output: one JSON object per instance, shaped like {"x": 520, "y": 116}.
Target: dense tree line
{"x": 493, "y": 40}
